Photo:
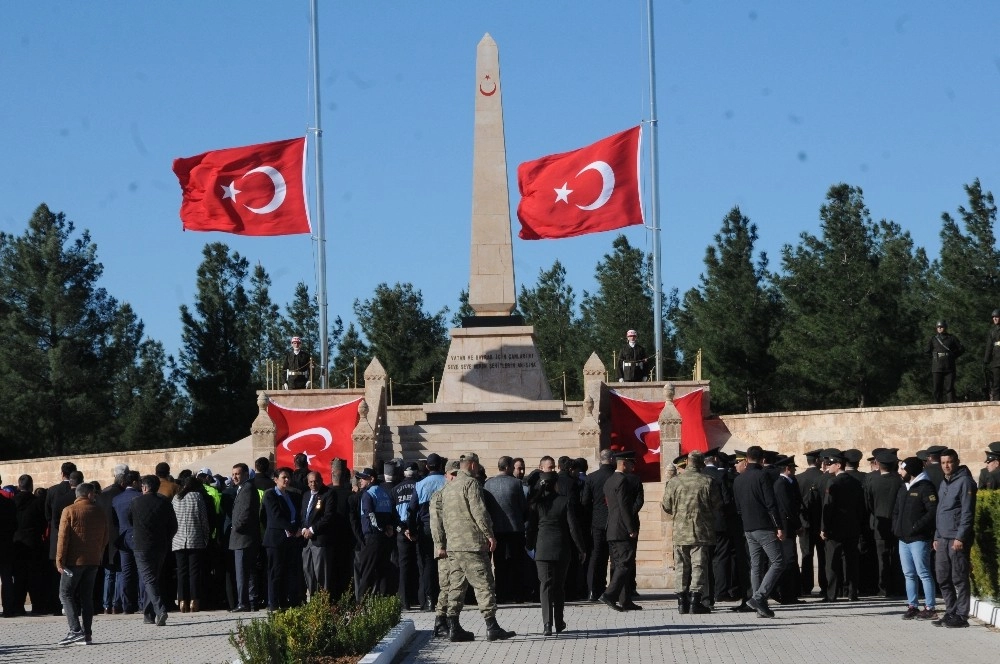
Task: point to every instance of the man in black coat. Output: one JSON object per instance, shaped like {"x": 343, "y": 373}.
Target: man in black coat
{"x": 786, "y": 494}
{"x": 840, "y": 530}
{"x": 989, "y": 477}
{"x": 57, "y": 497}
{"x": 112, "y": 559}
{"x": 153, "y": 527}
{"x": 318, "y": 511}
{"x": 944, "y": 349}
{"x": 913, "y": 520}
{"x": 753, "y": 490}
{"x": 880, "y": 497}
{"x": 621, "y": 494}
{"x": 282, "y": 539}
{"x": 722, "y": 580}
{"x": 812, "y": 487}
{"x": 244, "y": 538}
{"x": 592, "y": 500}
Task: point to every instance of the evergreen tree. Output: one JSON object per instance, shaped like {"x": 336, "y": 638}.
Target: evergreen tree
{"x": 965, "y": 284}
{"x": 465, "y": 309}
{"x": 217, "y": 369}
{"x": 733, "y": 317}
{"x": 263, "y": 326}
{"x": 847, "y": 329}
{"x": 550, "y": 307}
{"x": 623, "y": 301}
{"x": 410, "y": 343}
{"x": 350, "y": 361}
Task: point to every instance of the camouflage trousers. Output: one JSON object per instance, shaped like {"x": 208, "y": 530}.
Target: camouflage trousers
{"x": 692, "y": 567}
{"x": 444, "y": 583}
{"x": 471, "y": 568}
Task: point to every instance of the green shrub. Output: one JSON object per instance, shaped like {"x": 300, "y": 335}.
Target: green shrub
{"x": 985, "y": 554}
{"x": 316, "y": 630}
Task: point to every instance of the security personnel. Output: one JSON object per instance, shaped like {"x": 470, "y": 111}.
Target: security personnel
{"x": 470, "y": 543}
{"x": 789, "y": 500}
{"x": 723, "y": 578}
{"x": 989, "y": 477}
{"x": 880, "y": 498}
{"x": 622, "y": 495}
{"x": 378, "y": 528}
{"x": 812, "y": 486}
{"x": 840, "y": 530}
{"x": 632, "y": 360}
{"x": 296, "y": 367}
{"x": 435, "y": 511}
{"x": 992, "y": 357}
{"x": 867, "y": 563}
{"x": 944, "y": 349}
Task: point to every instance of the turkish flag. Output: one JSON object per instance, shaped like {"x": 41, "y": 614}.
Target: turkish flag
{"x": 692, "y": 423}
{"x": 635, "y": 426}
{"x": 254, "y": 190}
{"x": 589, "y": 190}
{"x": 321, "y": 434}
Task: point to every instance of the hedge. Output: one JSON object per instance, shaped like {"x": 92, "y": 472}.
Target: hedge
{"x": 985, "y": 554}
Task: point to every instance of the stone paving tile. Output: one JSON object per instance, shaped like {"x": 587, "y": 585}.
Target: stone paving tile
{"x": 844, "y": 632}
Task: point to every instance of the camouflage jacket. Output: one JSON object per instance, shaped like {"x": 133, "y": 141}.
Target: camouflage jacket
{"x": 466, "y": 520}
{"x": 693, "y": 499}
{"x": 437, "y": 521}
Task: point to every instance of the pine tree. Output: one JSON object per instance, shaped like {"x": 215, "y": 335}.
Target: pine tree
{"x": 263, "y": 326}
{"x": 351, "y": 359}
{"x": 733, "y": 317}
{"x": 550, "y": 307}
{"x": 410, "y": 343}
{"x": 965, "y": 286}
{"x": 217, "y": 370}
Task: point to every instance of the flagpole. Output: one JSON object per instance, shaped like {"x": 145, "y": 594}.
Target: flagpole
{"x": 317, "y": 131}
{"x": 654, "y": 202}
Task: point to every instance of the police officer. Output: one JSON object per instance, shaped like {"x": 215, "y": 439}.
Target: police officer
{"x": 992, "y": 357}
{"x": 632, "y": 360}
{"x": 944, "y": 349}
{"x": 470, "y": 543}
{"x": 378, "y": 529}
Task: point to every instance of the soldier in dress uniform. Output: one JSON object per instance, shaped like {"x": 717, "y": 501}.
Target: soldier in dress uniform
{"x": 944, "y": 349}
{"x": 989, "y": 477}
{"x": 880, "y": 498}
{"x": 932, "y": 465}
{"x": 812, "y": 487}
{"x": 622, "y": 494}
{"x": 991, "y": 360}
{"x": 723, "y": 577}
{"x": 841, "y": 527}
{"x": 789, "y": 499}
{"x": 868, "y": 563}
{"x": 296, "y": 367}
{"x": 632, "y": 360}
{"x": 470, "y": 543}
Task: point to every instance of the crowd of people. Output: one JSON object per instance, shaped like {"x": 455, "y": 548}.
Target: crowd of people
{"x": 746, "y": 529}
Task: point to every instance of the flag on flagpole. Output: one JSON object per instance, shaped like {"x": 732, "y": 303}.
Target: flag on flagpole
{"x": 635, "y": 426}
{"x": 321, "y": 434}
{"x": 253, "y": 190}
{"x": 589, "y": 190}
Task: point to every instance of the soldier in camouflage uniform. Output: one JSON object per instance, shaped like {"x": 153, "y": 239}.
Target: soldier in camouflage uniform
{"x": 470, "y": 542}
{"x": 441, "y": 554}
{"x": 693, "y": 499}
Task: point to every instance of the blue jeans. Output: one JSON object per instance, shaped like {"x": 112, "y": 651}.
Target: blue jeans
{"x": 915, "y": 558}
{"x": 764, "y": 543}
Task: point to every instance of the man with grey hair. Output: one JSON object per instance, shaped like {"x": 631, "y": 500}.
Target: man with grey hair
{"x": 83, "y": 534}
{"x": 112, "y": 557}
{"x": 693, "y": 499}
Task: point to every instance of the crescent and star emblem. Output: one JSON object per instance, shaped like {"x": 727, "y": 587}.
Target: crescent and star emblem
{"x": 607, "y": 186}
{"x": 492, "y": 83}
{"x": 230, "y": 191}
{"x": 648, "y": 428}
{"x": 323, "y": 432}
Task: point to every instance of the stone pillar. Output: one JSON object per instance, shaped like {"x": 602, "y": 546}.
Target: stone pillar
{"x": 589, "y": 433}
{"x": 377, "y": 398}
{"x": 262, "y": 431}
{"x": 670, "y": 429}
{"x": 364, "y": 439}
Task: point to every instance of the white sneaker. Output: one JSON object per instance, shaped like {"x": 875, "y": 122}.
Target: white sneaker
{"x": 72, "y": 637}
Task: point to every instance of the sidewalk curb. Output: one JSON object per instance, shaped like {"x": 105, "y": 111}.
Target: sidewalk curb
{"x": 986, "y": 611}
{"x": 390, "y": 645}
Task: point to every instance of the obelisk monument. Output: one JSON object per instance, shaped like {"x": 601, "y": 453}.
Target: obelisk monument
{"x": 492, "y": 363}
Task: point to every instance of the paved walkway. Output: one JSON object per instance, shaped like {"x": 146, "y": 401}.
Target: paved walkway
{"x": 857, "y": 632}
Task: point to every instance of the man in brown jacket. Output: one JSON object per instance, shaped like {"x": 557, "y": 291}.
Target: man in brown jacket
{"x": 83, "y": 534}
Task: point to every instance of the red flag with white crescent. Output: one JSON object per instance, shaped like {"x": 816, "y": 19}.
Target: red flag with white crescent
{"x": 322, "y": 434}
{"x": 693, "y": 435}
{"x": 635, "y": 426}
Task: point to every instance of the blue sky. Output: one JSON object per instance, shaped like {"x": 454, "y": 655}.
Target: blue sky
{"x": 761, "y": 105}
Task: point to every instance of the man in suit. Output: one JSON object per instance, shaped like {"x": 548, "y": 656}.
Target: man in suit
{"x": 244, "y": 537}
{"x": 281, "y": 539}
{"x": 154, "y": 525}
{"x": 55, "y": 502}
{"x": 592, "y": 499}
{"x": 623, "y": 532}
{"x": 812, "y": 487}
{"x": 112, "y": 559}
{"x": 842, "y": 522}
{"x": 129, "y": 593}
{"x": 789, "y": 500}
{"x": 318, "y": 511}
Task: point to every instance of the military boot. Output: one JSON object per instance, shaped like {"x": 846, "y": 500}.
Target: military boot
{"x": 494, "y": 632}
{"x": 697, "y": 606}
{"x": 456, "y": 633}
{"x": 684, "y": 602}
{"x": 440, "y": 627}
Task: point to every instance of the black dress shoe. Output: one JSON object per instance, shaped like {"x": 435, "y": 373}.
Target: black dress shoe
{"x": 631, "y": 606}
{"x": 240, "y": 609}
{"x": 742, "y": 608}
{"x": 560, "y": 626}
{"x": 610, "y": 603}
{"x": 547, "y": 630}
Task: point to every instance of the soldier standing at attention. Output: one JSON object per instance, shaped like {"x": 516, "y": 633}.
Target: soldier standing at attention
{"x": 944, "y": 349}
{"x": 632, "y": 360}
{"x": 470, "y": 543}
{"x": 693, "y": 499}
{"x": 296, "y": 367}
{"x": 992, "y": 358}
{"x": 989, "y": 477}
{"x": 443, "y": 620}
